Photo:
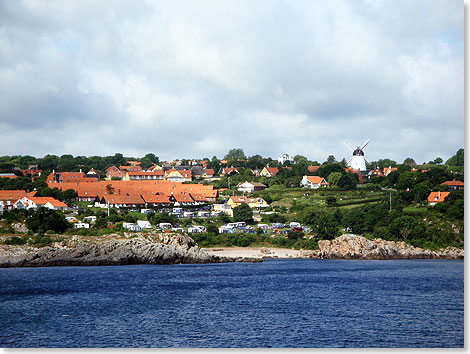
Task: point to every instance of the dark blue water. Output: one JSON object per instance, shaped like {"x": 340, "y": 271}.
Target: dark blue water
{"x": 278, "y": 303}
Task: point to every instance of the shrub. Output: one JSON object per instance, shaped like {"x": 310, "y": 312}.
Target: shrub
{"x": 15, "y": 240}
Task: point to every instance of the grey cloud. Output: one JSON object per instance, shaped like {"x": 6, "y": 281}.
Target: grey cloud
{"x": 194, "y": 79}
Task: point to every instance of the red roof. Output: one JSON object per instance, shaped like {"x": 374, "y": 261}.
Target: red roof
{"x": 318, "y": 180}
{"x": 437, "y": 197}
{"x": 313, "y": 169}
{"x": 453, "y": 183}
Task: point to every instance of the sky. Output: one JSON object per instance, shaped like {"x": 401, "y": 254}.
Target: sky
{"x": 194, "y": 79}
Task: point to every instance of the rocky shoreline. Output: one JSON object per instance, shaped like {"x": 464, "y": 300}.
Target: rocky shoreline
{"x": 358, "y": 247}
{"x": 150, "y": 248}
{"x": 163, "y": 248}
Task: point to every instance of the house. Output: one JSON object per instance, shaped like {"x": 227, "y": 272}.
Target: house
{"x": 154, "y": 168}
{"x": 250, "y": 187}
{"x": 453, "y": 185}
{"x": 388, "y": 170}
{"x": 140, "y": 176}
{"x": 223, "y": 208}
{"x": 93, "y": 174}
{"x": 8, "y": 175}
{"x": 269, "y": 171}
{"x": 377, "y": 173}
{"x": 228, "y": 171}
{"x": 114, "y": 173}
{"x": 437, "y": 197}
{"x": 118, "y": 201}
{"x": 235, "y": 201}
{"x": 133, "y": 168}
{"x": 174, "y": 175}
{"x": 313, "y": 182}
{"x": 37, "y": 202}
{"x": 284, "y": 158}
{"x": 69, "y": 177}
{"x": 313, "y": 169}
{"x": 182, "y": 199}
{"x": 208, "y": 173}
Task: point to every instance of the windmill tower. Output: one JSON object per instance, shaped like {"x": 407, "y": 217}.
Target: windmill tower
{"x": 357, "y": 161}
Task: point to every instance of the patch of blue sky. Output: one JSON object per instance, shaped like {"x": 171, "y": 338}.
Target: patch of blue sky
{"x": 71, "y": 45}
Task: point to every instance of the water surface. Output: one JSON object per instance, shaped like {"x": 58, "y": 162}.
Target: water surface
{"x": 277, "y": 303}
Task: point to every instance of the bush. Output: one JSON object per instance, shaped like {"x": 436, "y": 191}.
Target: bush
{"x": 15, "y": 240}
{"x": 42, "y": 241}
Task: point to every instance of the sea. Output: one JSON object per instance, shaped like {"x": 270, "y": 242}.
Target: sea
{"x": 294, "y": 303}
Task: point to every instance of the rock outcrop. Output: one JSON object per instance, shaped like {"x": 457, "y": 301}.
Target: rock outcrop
{"x": 358, "y": 247}
{"x": 152, "y": 248}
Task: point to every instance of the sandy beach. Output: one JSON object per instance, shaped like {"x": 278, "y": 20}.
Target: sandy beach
{"x": 254, "y": 252}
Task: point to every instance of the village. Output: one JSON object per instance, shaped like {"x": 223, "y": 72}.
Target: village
{"x": 191, "y": 192}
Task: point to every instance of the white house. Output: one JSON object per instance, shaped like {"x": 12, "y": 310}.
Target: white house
{"x": 81, "y": 225}
{"x": 250, "y": 187}
{"x": 285, "y": 157}
{"x": 313, "y": 182}
{"x": 144, "y": 224}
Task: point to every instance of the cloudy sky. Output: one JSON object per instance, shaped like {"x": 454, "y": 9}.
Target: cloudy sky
{"x": 193, "y": 79}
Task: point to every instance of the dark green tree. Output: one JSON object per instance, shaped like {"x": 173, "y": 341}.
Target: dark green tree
{"x": 243, "y": 213}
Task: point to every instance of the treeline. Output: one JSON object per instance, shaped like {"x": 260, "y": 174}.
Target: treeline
{"x": 72, "y": 163}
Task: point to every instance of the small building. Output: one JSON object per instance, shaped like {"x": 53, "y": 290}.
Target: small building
{"x": 269, "y": 171}
{"x": 90, "y": 218}
{"x": 437, "y": 197}
{"x": 285, "y": 158}
{"x": 235, "y": 201}
{"x": 250, "y": 187}
{"x": 313, "y": 182}
{"x": 453, "y": 185}
{"x": 388, "y": 170}
{"x": 223, "y": 208}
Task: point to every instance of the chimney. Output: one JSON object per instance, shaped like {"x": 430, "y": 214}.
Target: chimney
{"x": 439, "y": 195}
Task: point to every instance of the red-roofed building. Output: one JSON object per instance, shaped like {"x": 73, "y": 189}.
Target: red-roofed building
{"x": 437, "y": 197}
{"x": 313, "y": 182}
{"x": 38, "y": 202}
{"x": 269, "y": 171}
{"x": 139, "y": 176}
{"x": 313, "y": 169}
{"x": 453, "y": 185}
{"x": 388, "y": 170}
{"x": 228, "y": 171}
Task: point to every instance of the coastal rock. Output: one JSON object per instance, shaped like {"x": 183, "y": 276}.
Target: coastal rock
{"x": 149, "y": 248}
{"x": 358, "y": 247}
{"x": 19, "y": 227}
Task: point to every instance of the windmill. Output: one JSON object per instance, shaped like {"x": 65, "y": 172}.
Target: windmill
{"x": 357, "y": 161}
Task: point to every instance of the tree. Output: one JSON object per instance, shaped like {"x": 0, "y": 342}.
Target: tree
{"x": 243, "y": 213}
{"x": 331, "y": 159}
{"x": 235, "y": 154}
{"x": 409, "y": 162}
{"x": 43, "y": 219}
{"x": 438, "y": 161}
{"x": 325, "y": 170}
{"x": 348, "y": 181}
{"x": 334, "y": 177}
{"x": 457, "y": 159}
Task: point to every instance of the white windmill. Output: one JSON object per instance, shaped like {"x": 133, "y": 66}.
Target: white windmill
{"x": 357, "y": 161}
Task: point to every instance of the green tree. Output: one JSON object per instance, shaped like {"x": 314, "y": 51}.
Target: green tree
{"x": 43, "y": 219}
{"x": 334, "y": 177}
{"x": 243, "y": 213}
{"x": 457, "y": 159}
{"x": 409, "y": 162}
{"x": 235, "y": 154}
{"x": 348, "y": 181}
